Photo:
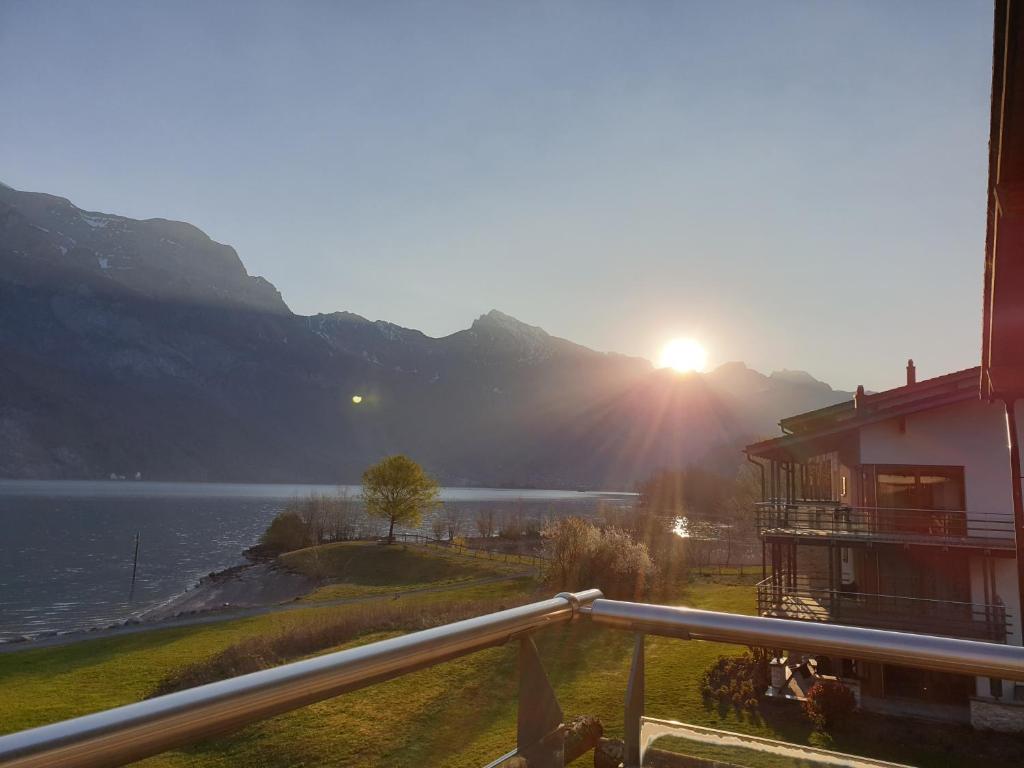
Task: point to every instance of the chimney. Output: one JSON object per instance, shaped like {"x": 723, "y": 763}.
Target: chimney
{"x": 858, "y": 398}
{"x": 911, "y": 373}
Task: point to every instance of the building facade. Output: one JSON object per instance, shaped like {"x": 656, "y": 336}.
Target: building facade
{"x": 893, "y": 511}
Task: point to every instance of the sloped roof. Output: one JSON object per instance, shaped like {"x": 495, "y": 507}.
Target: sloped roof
{"x": 807, "y": 429}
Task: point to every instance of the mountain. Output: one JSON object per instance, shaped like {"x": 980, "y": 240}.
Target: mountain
{"x": 145, "y": 347}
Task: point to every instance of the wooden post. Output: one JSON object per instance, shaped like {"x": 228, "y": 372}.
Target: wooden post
{"x": 135, "y": 566}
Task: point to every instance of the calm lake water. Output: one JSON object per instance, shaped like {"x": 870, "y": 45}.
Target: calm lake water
{"x": 66, "y": 547}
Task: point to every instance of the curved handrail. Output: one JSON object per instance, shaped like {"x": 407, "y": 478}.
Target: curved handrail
{"x": 146, "y": 728}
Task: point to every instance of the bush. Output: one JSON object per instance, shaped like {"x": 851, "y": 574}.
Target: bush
{"x": 617, "y": 565}
{"x": 584, "y": 556}
{"x": 828, "y": 702}
{"x": 287, "y": 532}
{"x": 740, "y": 680}
{"x": 315, "y": 519}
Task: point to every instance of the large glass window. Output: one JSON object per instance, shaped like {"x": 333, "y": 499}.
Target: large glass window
{"x": 920, "y": 487}
{"x": 916, "y": 491}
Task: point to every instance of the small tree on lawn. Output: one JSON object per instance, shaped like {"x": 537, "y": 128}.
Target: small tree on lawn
{"x": 398, "y": 490}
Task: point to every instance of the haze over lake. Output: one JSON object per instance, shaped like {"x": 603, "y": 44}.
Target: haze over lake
{"x": 66, "y": 556}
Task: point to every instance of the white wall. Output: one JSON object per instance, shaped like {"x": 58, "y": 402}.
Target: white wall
{"x": 971, "y": 435}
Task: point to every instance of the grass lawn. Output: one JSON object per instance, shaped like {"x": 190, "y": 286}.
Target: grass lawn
{"x": 461, "y": 713}
{"x": 357, "y": 569}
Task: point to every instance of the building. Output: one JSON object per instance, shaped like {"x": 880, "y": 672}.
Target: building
{"x": 904, "y": 509}
{"x": 893, "y": 511}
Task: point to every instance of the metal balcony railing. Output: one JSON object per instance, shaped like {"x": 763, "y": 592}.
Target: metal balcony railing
{"x": 136, "y": 731}
{"x": 895, "y": 612}
{"x": 982, "y": 529}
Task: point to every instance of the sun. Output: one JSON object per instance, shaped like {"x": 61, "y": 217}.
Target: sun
{"x": 683, "y": 355}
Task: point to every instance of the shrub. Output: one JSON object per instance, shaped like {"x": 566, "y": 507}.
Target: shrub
{"x": 617, "y": 565}
{"x": 315, "y": 519}
{"x": 828, "y": 702}
{"x": 568, "y": 542}
{"x": 584, "y": 556}
{"x": 287, "y": 532}
{"x": 739, "y": 680}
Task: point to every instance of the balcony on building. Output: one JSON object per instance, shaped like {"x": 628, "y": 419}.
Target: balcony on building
{"x": 798, "y": 597}
{"x": 858, "y": 526}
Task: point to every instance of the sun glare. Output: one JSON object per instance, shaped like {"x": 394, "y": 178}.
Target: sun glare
{"x": 683, "y": 355}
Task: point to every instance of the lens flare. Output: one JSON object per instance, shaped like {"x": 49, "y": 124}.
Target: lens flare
{"x": 683, "y": 355}
{"x": 357, "y": 399}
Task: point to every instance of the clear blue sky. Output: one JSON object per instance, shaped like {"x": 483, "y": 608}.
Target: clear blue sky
{"x": 799, "y": 185}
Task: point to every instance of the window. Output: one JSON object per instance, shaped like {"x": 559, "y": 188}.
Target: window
{"x": 929, "y": 500}
{"x": 920, "y": 487}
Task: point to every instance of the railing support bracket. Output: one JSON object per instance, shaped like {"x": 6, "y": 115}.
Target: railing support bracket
{"x": 634, "y": 704}
{"x": 540, "y": 729}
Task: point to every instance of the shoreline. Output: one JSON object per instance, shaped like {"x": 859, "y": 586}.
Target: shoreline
{"x": 216, "y": 615}
{"x": 176, "y": 521}
{"x": 235, "y": 591}
{"x": 255, "y": 584}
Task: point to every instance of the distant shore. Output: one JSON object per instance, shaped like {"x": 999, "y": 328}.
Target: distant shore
{"x": 211, "y": 490}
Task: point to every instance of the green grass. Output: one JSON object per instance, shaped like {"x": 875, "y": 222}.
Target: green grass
{"x": 461, "y": 713}
{"x": 359, "y": 569}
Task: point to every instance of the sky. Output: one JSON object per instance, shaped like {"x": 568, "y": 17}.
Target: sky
{"x": 796, "y": 184}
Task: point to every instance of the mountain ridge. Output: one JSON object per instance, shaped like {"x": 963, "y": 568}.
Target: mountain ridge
{"x": 145, "y": 346}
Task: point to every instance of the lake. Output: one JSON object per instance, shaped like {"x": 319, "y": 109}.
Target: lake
{"x": 67, "y": 546}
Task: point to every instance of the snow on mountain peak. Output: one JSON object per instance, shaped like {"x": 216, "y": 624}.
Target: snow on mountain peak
{"x": 533, "y": 341}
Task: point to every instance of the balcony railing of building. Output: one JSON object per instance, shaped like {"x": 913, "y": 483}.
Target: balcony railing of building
{"x": 936, "y": 526}
{"x": 136, "y": 731}
{"x": 781, "y": 598}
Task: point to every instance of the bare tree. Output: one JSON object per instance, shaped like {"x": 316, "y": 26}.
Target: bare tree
{"x": 453, "y": 522}
{"x": 340, "y": 516}
{"x": 485, "y": 522}
{"x": 568, "y": 541}
{"x": 514, "y": 524}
